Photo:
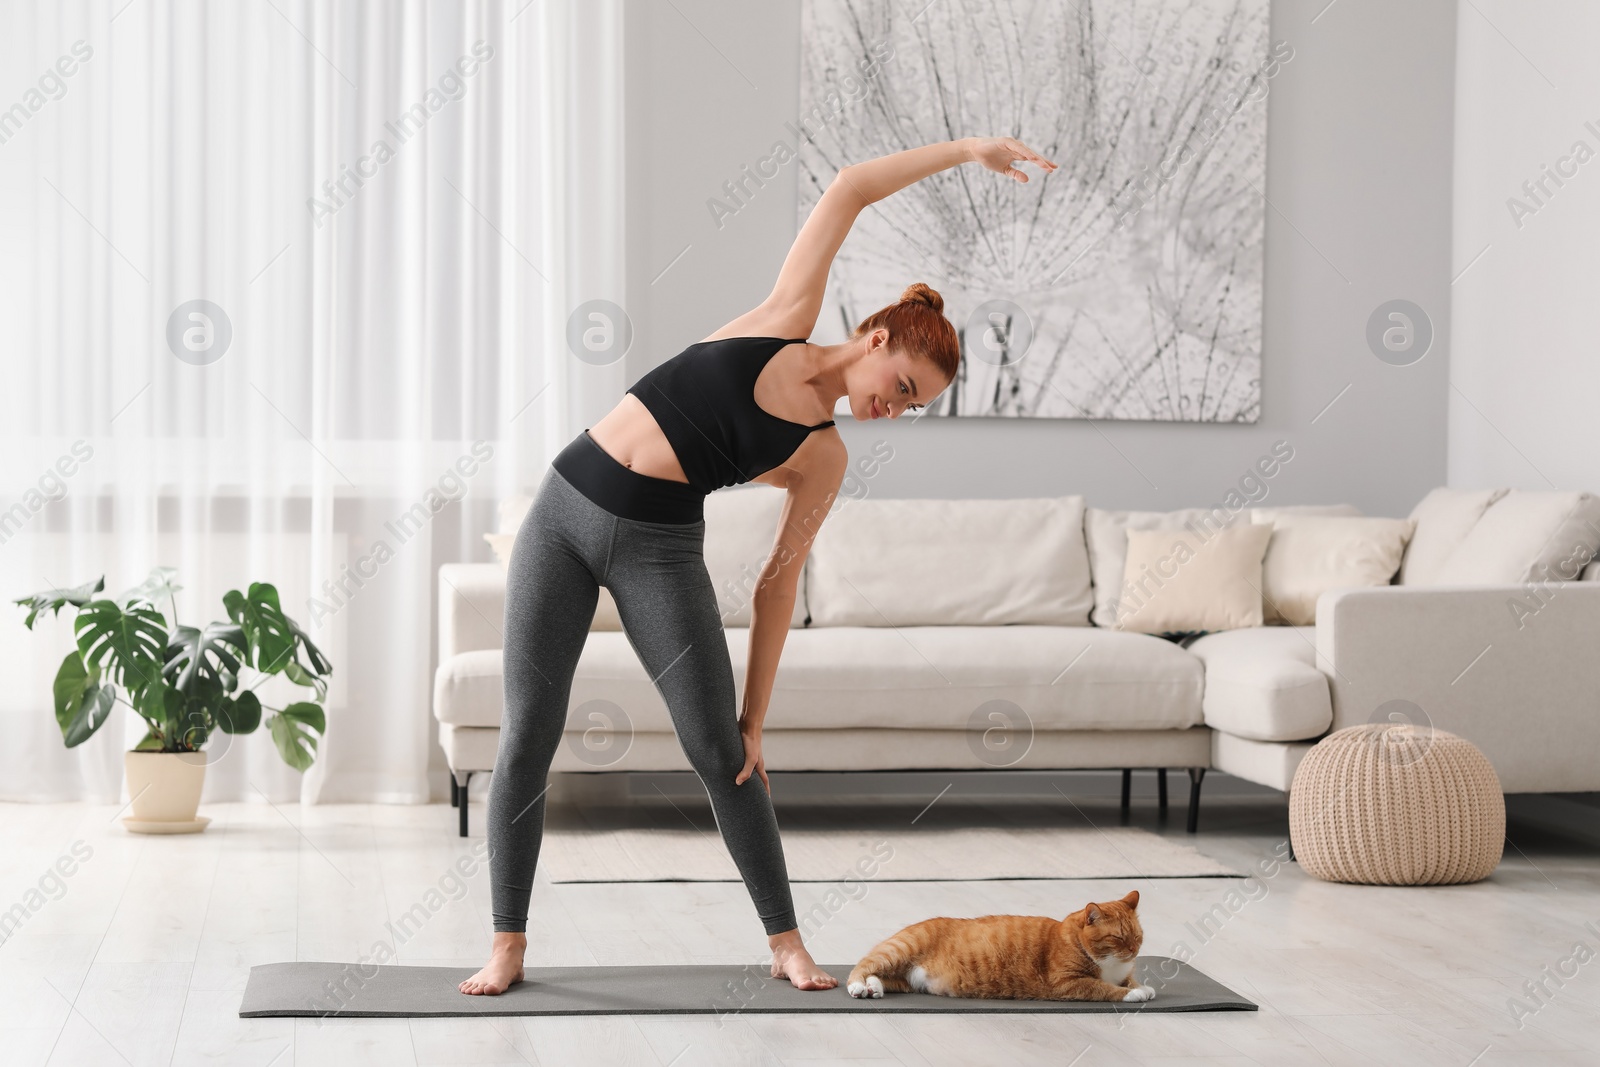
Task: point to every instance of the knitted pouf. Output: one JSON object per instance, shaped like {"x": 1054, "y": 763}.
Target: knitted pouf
{"x": 1396, "y": 804}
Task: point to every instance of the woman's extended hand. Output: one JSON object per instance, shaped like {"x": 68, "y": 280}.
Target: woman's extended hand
{"x": 753, "y": 760}
{"x": 998, "y": 153}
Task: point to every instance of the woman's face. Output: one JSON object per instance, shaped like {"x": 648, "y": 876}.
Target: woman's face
{"x": 888, "y": 381}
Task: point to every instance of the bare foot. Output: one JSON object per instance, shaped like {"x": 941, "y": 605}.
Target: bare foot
{"x": 504, "y": 968}
{"x": 791, "y": 960}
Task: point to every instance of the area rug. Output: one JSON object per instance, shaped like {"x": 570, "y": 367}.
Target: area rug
{"x": 347, "y": 990}
{"x": 957, "y": 854}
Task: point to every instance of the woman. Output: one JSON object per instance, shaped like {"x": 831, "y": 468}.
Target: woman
{"x": 622, "y": 507}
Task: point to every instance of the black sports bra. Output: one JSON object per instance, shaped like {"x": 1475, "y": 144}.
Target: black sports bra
{"x": 704, "y": 400}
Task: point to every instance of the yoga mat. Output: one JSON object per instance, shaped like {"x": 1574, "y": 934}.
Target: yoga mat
{"x": 347, "y": 990}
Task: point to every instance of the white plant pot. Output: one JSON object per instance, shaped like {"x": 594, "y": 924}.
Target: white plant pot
{"x": 165, "y": 787}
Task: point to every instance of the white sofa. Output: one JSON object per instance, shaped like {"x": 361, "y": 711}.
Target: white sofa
{"x": 971, "y": 634}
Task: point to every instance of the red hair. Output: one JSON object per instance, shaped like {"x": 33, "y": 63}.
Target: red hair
{"x": 916, "y": 324}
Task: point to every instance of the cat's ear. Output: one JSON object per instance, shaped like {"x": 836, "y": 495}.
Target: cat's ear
{"x": 1132, "y": 899}
{"x": 1091, "y": 914}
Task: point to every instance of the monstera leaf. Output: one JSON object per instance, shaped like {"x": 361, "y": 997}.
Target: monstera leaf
{"x": 289, "y": 730}
{"x": 273, "y": 636}
{"x": 241, "y": 715}
{"x": 187, "y": 718}
{"x": 82, "y": 703}
{"x": 133, "y": 640}
{"x": 202, "y": 663}
{"x": 300, "y": 676}
{"x": 154, "y": 589}
{"x": 51, "y": 600}
{"x": 319, "y": 662}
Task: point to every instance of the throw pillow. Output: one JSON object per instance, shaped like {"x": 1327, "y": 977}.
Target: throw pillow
{"x": 1106, "y": 533}
{"x": 1444, "y": 518}
{"x": 1309, "y": 554}
{"x": 511, "y": 511}
{"x": 500, "y": 544}
{"x": 1176, "y": 580}
{"x": 1527, "y": 536}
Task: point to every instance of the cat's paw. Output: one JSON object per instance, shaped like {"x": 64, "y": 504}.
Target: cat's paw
{"x": 872, "y": 987}
{"x": 1141, "y": 993}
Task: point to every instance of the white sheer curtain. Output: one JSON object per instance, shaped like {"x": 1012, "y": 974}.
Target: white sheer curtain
{"x": 380, "y": 205}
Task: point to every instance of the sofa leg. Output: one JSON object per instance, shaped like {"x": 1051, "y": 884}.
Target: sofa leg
{"x": 1127, "y": 789}
{"x": 1288, "y": 839}
{"x": 1195, "y": 775}
{"x": 454, "y": 800}
{"x": 461, "y": 796}
{"x": 1161, "y": 782}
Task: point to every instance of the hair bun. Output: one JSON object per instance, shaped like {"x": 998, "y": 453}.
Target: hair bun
{"x": 920, "y": 293}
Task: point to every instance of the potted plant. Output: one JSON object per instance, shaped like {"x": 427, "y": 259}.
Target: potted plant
{"x": 184, "y": 682}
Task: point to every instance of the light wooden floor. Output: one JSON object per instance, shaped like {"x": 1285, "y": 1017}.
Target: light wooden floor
{"x": 140, "y": 955}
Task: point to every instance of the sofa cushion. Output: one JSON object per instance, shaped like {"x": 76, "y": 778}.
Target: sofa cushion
{"x": 472, "y": 607}
{"x": 1271, "y": 514}
{"x": 741, "y": 530}
{"x": 1527, "y": 536}
{"x": 928, "y": 562}
{"x": 933, "y": 677}
{"x": 468, "y": 688}
{"x": 1179, "y": 581}
{"x": 1106, "y": 538}
{"x": 951, "y": 677}
{"x": 1309, "y": 554}
{"x": 1444, "y": 518}
{"x": 1263, "y": 683}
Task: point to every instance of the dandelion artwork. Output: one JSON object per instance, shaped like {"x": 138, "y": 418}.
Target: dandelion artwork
{"x": 1126, "y": 284}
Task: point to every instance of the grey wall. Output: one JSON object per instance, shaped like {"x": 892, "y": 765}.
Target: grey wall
{"x": 1358, "y": 184}
{"x": 1524, "y": 375}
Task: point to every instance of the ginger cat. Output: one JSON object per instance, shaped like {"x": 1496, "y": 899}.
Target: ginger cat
{"x": 1089, "y": 955}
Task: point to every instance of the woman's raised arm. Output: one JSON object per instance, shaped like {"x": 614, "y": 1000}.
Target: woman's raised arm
{"x": 796, "y": 297}
{"x": 797, "y": 294}
{"x": 875, "y": 179}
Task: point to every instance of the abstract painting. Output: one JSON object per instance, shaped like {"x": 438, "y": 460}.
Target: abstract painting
{"x": 1124, "y": 285}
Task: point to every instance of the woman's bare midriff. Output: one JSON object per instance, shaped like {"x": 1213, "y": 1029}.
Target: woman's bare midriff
{"x": 629, "y": 435}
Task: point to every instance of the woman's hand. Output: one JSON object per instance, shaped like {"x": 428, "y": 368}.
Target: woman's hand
{"x": 753, "y": 760}
{"x": 998, "y": 153}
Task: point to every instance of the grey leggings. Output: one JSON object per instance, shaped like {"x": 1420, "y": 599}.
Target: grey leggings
{"x": 567, "y": 547}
